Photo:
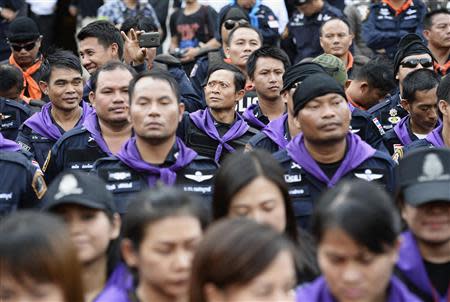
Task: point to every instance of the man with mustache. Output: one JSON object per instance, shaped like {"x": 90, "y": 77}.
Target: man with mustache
{"x": 154, "y": 156}
{"x": 103, "y": 131}
{"x": 326, "y": 151}
{"x": 420, "y": 100}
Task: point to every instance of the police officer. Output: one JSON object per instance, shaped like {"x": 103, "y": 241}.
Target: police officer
{"x": 389, "y": 20}
{"x": 154, "y": 155}
{"x": 440, "y": 136}
{"x": 103, "y": 131}
{"x": 304, "y": 27}
{"x": 230, "y": 20}
{"x": 437, "y": 31}
{"x": 265, "y": 68}
{"x": 261, "y": 17}
{"x": 412, "y": 54}
{"x": 25, "y": 41}
{"x": 21, "y": 183}
{"x": 326, "y": 151}
{"x": 419, "y": 98}
{"x": 278, "y": 133}
{"x": 12, "y": 113}
{"x": 424, "y": 199}
{"x": 63, "y": 83}
{"x": 218, "y": 129}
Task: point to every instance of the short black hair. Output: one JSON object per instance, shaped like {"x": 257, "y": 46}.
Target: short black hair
{"x": 239, "y": 77}
{"x": 344, "y": 20}
{"x": 154, "y": 205}
{"x": 418, "y": 80}
{"x": 105, "y": 32}
{"x": 11, "y": 77}
{"x": 110, "y": 66}
{"x": 231, "y": 34}
{"x": 428, "y": 19}
{"x": 443, "y": 91}
{"x": 378, "y": 73}
{"x": 60, "y": 59}
{"x": 266, "y": 52}
{"x": 156, "y": 75}
{"x": 144, "y": 23}
{"x": 361, "y": 209}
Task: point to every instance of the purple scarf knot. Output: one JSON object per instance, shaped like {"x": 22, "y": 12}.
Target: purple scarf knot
{"x": 275, "y": 130}
{"x": 91, "y": 125}
{"x": 357, "y": 152}
{"x": 8, "y": 145}
{"x": 205, "y": 122}
{"x": 250, "y": 117}
{"x": 129, "y": 155}
{"x": 435, "y": 137}
{"x": 41, "y": 122}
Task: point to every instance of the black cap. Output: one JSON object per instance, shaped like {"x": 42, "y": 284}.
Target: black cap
{"x": 410, "y": 44}
{"x": 314, "y": 86}
{"x": 424, "y": 176}
{"x": 23, "y": 29}
{"x": 299, "y": 72}
{"x": 74, "y": 187}
{"x": 301, "y": 2}
{"x": 233, "y": 13}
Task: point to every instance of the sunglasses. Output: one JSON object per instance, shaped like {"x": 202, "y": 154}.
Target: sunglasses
{"x": 412, "y": 63}
{"x": 27, "y": 47}
{"x": 230, "y": 24}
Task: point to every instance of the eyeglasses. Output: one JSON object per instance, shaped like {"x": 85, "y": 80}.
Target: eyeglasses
{"x": 27, "y": 47}
{"x": 412, "y": 63}
{"x": 230, "y": 24}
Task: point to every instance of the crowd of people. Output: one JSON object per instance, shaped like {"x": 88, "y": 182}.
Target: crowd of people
{"x": 277, "y": 151}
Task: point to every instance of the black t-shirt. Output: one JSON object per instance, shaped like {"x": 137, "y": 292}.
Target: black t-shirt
{"x": 439, "y": 274}
{"x": 195, "y": 28}
{"x": 330, "y": 169}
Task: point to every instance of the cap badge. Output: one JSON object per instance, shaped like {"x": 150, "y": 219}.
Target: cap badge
{"x": 433, "y": 169}
{"x": 68, "y": 186}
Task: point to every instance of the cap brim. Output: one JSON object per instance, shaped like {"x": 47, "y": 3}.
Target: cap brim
{"x": 422, "y": 193}
{"x": 23, "y": 38}
{"x": 73, "y": 199}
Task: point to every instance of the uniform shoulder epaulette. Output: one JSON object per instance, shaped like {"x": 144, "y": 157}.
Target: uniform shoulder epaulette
{"x": 205, "y": 159}
{"x": 253, "y": 130}
{"x": 384, "y": 156}
{"x": 16, "y": 157}
{"x": 380, "y": 106}
{"x": 258, "y": 137}
{"x": 18, "y": 106}
{"x": 282, "y": 156}
{"x": 71, "y": 133}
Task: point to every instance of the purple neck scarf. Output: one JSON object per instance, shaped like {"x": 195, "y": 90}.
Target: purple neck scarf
{"x": 358, "y": 152}
{"x": 435, "y": 137}
{"x": 251, "y": 119}
{"x": 401, "y": 129}
{"x": 41, "y": 122}
{"x": 129, "y": 154}
{"x": 411, "y": 264}
{"x": 318, "y": 291}
{"x": 205, "y": 122}
{"x": 275, "y": 130}
{"x": 8, "y": 145}
{"x": 91, "y": 125}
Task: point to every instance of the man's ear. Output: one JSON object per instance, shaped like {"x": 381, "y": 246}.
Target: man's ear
{"x": 426, "y": 34}
{"x": 115, "y": 50}
{"x": 347, "y": 84}
{"x": 92, "y": 98}
{"x": 363, "y": 87}
{"x": 405, "y": 105}
{"x": 227, "y": 52}
{"x": 297, "y": 122}
{"x": 44, "y": 87}
{"x": 181, "y": 108}
{"x": 443, "y": 105}
{"x": 239, "y": 95}
{"x": 128, "y": 252}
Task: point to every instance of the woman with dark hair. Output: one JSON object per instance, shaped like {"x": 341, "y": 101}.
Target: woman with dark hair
{"x": 38, "y": 261}
{"x": 161, "y": 231}
{"x": 252, "y": 185}
{"x": 356, "y": 227}
{"x": 94, "y": 225}
{"x": 241, "y": 260}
